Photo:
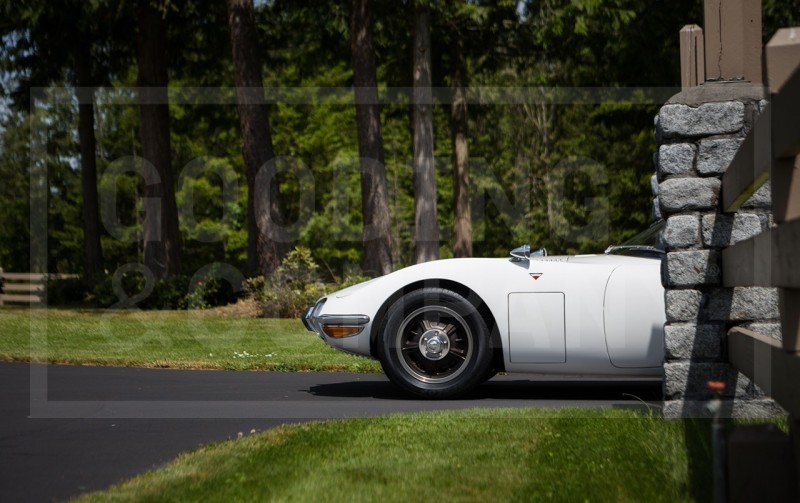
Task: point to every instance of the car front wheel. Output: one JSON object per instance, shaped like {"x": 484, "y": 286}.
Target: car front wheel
{"x": 435, "y": 344}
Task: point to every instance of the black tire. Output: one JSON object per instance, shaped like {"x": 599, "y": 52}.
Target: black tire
{"x": 433, "y": 343}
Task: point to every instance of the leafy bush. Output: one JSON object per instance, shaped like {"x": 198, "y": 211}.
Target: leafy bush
{"x": 295, "y": 285}
{"x": 176, "y": 292}
{"x": 210, "y": 291}
{"x": 66, "y": 291}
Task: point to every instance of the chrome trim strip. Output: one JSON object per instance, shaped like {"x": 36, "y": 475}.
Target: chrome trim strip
{"x": 341, "y": 319}
{"x": 309, "y": 318}
{"x": 306, "y": 319}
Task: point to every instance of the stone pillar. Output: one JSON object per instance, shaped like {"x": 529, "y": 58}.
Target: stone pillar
{"x": 698, "y": 132}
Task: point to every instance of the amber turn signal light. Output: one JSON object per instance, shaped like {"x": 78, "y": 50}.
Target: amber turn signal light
{"x": 339, "y": 331}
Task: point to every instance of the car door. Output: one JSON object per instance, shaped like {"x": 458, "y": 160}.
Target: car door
{"x": 634, "y": 315}
{"x": 536, "y": 325}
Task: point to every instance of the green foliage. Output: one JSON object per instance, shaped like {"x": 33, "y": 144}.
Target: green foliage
{"x": 555, "y": 161}
{"x": 778, "y": 14}
{"x": 39, "y": 52}
{"x": 294, "y": 286}
{"x": 66, "y": 292}
{"x": 39, "y": 149}
{"x": 134, "y": 290}
{"x": 15, "y": 194}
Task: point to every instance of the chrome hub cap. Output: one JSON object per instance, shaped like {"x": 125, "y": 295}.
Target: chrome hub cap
{"x": 434, "y": 345}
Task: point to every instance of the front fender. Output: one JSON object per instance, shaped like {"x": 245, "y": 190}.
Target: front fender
{"x": 484, "y": 282}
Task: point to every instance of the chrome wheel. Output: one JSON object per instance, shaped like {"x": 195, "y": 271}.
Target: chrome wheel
{"x": 434, "y": 343}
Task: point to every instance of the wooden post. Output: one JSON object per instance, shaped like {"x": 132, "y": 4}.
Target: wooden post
{"x": 783, "y": 77}
{"x": 783, "y": 56}
{"x": 693, "y": 66}
{"x": 783, "y": 52}
{"x": 733, "y": 40}
{"x": 794, "y": 432}
{"x": 785, "y": 175}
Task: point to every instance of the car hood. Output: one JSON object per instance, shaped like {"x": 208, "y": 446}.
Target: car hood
{"x": 427, "y": 269}
{"x": 353, "y": 289}
{"x": 470, "y": 265}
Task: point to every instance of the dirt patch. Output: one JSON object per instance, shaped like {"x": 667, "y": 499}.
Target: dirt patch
{"x": 244, "y": 308}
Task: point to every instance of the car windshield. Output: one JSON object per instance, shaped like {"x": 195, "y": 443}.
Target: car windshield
{"x": 647, "y": 242}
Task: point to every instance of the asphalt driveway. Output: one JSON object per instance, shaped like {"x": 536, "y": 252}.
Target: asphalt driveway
{"x": 67, "y": 430}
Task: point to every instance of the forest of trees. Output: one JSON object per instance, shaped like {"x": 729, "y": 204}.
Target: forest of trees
{"x": 376, "y": 133}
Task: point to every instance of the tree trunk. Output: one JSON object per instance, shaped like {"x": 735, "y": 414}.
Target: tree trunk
{"x": 267, "y": 239}
{"x": 462, "y": 224}
{"x": 92, "y": 251}
{"x": 426, "y": 234}
{"x": 160, "y": 226}
{"x": 374, "y": 195}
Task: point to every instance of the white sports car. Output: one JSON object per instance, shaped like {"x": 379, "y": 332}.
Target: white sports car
{"x": 441, "y": 328}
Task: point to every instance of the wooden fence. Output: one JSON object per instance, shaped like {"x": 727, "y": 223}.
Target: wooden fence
{"x": 27, "y": 287}
{"x": 22, "y": 287}
{"x": 730, "y": 49}
{"x": 771, "y": 151}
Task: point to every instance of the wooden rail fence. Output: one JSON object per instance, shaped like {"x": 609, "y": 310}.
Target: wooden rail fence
{"x": 22, "y": 287}
{"x": 729, "y": 49}
{"x": 27, "y": 287}
{"x": 771, "y": 152}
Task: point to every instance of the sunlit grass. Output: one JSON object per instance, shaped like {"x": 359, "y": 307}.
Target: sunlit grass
{"x": 176, "y": 339}
{"x": 475, "y": 455}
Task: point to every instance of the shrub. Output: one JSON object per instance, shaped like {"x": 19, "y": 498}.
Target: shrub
{"x": 65, "y": 291}
{"x": 175, "y": 292}
{"x": 293, "y": 286}
{"x": 210, "y": 291}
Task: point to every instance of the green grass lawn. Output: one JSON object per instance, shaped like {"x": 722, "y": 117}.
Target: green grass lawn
{"x": 177, "y": 339}
{"x": 475, "y": 455}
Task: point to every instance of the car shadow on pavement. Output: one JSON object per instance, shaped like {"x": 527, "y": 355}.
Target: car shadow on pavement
{"x": 582, "y": 392}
